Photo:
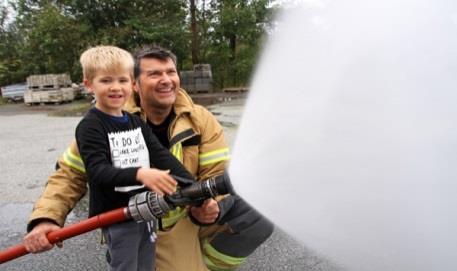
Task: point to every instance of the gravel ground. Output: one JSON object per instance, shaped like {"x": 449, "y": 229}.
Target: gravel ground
{"x": 30, "y": 143}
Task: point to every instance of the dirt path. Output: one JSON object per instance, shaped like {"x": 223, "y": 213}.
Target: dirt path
{"x": 12, "y": 109}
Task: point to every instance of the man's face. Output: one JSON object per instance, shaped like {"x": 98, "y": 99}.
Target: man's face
{"x": 158, "y": 83}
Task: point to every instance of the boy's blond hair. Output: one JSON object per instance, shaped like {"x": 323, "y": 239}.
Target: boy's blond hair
{"x": 107, "y": 59}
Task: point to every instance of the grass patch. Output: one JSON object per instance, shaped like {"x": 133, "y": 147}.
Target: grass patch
{"x": 76, "y": 108}
{"x": 3, "y": 101}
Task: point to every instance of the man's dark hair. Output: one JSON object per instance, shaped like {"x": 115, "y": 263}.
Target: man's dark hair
{"x": 153, "y": 51}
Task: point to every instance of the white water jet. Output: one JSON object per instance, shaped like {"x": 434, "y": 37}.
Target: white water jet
{"x": 349, "y": 136}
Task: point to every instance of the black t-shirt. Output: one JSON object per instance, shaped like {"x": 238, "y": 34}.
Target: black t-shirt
{"x": 161, "y": 130}
{"x": 113, "y": 149}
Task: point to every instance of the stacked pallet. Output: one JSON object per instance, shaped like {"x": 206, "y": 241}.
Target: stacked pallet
{"x": 49, "y": 88}
{"x": 49, "y": 81}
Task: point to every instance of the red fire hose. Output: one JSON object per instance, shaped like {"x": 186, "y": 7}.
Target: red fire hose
{"x": 146, "y": 206}
{"x": 95, "y": 222}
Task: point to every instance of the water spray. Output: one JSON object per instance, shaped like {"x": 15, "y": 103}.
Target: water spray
{"x": 146, "y": 206}
{"x": 351, "y": 125}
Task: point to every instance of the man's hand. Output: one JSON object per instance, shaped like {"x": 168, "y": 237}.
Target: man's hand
{"x": 207, "y": 213}
{"x": 36, "y": 241}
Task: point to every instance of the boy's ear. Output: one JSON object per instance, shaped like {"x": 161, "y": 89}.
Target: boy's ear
{"x": 87, "y": 85}
{"x": 135, "y": 86}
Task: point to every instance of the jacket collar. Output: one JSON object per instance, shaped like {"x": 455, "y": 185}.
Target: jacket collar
{"x": 183, "y": 104}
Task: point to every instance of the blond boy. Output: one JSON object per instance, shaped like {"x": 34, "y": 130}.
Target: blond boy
{"x": 118, "y": 149}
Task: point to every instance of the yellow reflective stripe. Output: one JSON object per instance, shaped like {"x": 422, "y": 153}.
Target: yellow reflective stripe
{"x": 212, "y": 266}
{"x": 172, "y": 217}
{"x": 179, "y": 152}
{"x": 173, "y": 150}
{"x": 73, "y": 161}
{"x": 176, "y": 150}
{"x": 214, "y": 156}
{"x": 217, "y": 261}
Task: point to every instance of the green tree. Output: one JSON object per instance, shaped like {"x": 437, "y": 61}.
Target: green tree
{"x": 10, "y": 63}
{"x": 56, "y": 31}
{"x": 53, "y": 43}
{"x": 195, "y": 40}
{"x": 47, "y": 36}
{"x": 235, "y": 33}
{"x": 131, "y": 24}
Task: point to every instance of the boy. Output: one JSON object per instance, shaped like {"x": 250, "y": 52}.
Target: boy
{"x": 117, "y": 149}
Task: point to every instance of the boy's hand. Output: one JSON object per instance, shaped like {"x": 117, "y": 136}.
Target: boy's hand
{"x": 36, "y": 241}
{"x": 157, "y": 180}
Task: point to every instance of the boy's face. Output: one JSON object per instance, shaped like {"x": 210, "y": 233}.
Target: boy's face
{"x": 158, "y": 83}
{"x": 111, "y": 89}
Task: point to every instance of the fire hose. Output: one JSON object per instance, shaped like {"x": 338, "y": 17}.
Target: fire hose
{"x": 145, "y": 206}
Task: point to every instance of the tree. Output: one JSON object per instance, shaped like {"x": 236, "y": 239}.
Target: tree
{"x": 195, "y": 46}
{"x": 10, "y": 41}
{"x": 53, "y": 41}
{"x": 47, "y": 36}
{"x": 236, "y": 29}
{"x": 131, "y": 24}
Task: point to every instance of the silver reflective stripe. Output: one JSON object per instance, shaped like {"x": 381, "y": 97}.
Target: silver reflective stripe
{"x": 127, "y": 188}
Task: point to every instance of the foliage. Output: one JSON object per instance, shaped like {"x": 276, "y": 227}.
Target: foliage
{"x": 10, "y": 62}
{"x": 57, "y": 39}
{"x": 47, "y": 36}
{"x": 236, "y": 29}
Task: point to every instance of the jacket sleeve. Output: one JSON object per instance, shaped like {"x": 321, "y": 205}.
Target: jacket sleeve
{"x": 64, "y": 188}
{"x": 214, "y": 152}
{"x": 214, "y": 155}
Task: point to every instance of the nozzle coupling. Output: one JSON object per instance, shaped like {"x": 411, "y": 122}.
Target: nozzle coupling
{"x": 147, "y": 206}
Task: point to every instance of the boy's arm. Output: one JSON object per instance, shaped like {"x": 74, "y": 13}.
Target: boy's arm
{"x": 95, "y": 153}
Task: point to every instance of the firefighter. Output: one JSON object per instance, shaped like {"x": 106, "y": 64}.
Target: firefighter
{"x": 218, "y": 235}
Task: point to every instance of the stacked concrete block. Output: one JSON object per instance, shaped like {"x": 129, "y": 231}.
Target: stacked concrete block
{"x": 199, "y": 80}
{"x": 187, "y": 81}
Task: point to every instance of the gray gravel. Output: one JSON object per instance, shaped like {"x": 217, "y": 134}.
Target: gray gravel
{"x": 30, "y": 143}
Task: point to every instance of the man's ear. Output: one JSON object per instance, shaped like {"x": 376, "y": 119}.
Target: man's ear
{"x": 87, "y": 85}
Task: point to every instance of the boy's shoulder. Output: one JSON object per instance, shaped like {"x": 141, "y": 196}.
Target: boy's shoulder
{"x": 134, "y": 117}
{"x": 92, "y": 115}
{"x": 95, "y": 116}
{"x": 89, "y": 120}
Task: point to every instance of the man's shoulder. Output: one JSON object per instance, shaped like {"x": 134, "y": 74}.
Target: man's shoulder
{"x": 204, "y": 121}
{"x": 200, "y": 111}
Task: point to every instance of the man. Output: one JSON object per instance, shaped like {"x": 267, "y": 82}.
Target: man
{"x": 218, "y": 235}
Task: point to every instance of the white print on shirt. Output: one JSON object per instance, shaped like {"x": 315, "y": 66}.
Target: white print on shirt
{"x": 128, "y": 149}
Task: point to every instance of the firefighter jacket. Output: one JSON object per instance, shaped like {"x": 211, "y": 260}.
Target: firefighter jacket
{"x": 196, "y": 139}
